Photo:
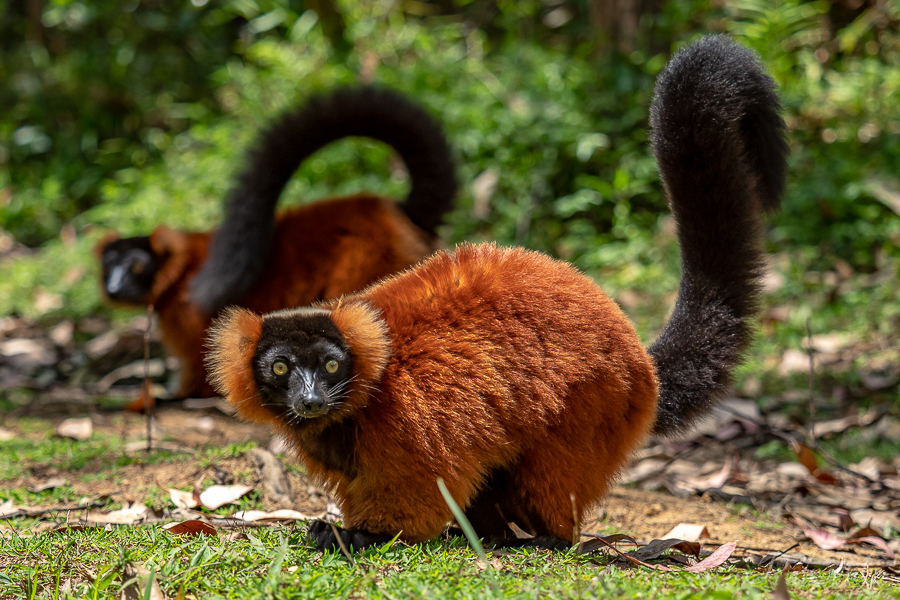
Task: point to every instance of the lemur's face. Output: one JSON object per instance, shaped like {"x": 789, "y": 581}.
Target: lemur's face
{"x": 302, "y": 365}
{"x": 129, "y": 267}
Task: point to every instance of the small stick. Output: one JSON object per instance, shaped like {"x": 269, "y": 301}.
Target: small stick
{"x": 148, "y": 401}
{"x": 337, "y": 536}
{"x": 576, "y": 528}
{"x": 812, "y": 400}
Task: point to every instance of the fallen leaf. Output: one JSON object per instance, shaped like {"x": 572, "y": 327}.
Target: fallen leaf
{"x": 808, "y": 459}
{"x": 23, "y": 352}
{"x": 868, "y": 535}
{"x": 141, "y": 446}
{"x": 597, "y": 542}
{"x": 877, "y": 519}
{"x": 829, "y": 343}
{"x": 155, "y": 367}
{"x": 183, "y": 499}
{"x": 714, "y": 481}
{"x": 875, "y": 541}
{"x": 141, "y": 584}
{"x": 6, "y": 435}
{"x": 8, "y": 509}
{"x": 845, "y": 519}
{"x": 49, "y": 484}
{"x": 601, "y": 542}
{"x": 793, "y": 361}
{"x": 715, "y": 559}
{"x": 824, "y": 539}
{"x": 219, "y": 495}
{"x": 276, "y": 515}
{"x": 655, "y": 548}
{"x": 191, "y": 527}
{"x": 62, "y": 334}
{"x": 781, "y": 592}
{"x": 135, "y": 513}
{"x": 76, "y": 429}
{"x": 689, "y": 532}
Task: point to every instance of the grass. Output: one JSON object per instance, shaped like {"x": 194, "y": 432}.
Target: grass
{"x": 278, "y": 563}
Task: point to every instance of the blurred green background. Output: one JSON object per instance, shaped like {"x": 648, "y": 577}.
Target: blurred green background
{"x": 125, "y": 114}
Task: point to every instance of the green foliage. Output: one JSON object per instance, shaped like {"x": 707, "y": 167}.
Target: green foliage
{"x": 839, "y": 87}
{"x": 90, "y": 88}
{"x": 563, "y": 131}
{"x": 278, "y": 563}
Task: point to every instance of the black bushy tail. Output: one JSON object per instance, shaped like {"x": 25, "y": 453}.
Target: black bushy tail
{"x": 241, "y": 245}
{"x": 720, "y": 143}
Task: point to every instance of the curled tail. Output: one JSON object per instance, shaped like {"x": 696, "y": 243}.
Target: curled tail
{"x": 241, "y": 245}
{"x": 720, "y": 143}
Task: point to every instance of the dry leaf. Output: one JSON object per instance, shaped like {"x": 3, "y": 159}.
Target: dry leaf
{"x": 603, "y": 543}
{"x": 845, "y": 519}
{"x": 715, "y": 559}
{"x": 829, "y": 541}
{"x": 141, "y": 578}
{"x": 191, "y": 527}
{"x": 808, "y": 459}
{"x": 276, "y": 515}
{"x": 135, "y": 513}
{"x": 689, "y": 532}
{"x": 6, "y": 435}
{"x": 76, "y": 429}
{"x": 27, "y": 353}
{"x": 598, "y": 542}
{"x": 781, "y": 592}
{"x": 823, "y": 539}
{"x": 49, "y": 485}
{"x": 183, "y": 499}
{"x": 870, "y": 536}
{"x": 219, "y": 495}
{"x": 875, "y": 541}
{"x": 8, "y": 509}
{"x": 155, "y": 367}
{"x": 655, "y": 548}
{"x": 714, "y": 481}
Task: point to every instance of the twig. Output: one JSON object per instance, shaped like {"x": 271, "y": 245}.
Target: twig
{"x": 812, "y": 371}
{"x": 767, "y": 559}
{"x": 148, "y": 401}
{"x": 337, "y": 536}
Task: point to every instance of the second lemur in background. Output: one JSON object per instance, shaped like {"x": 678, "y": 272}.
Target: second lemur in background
{"x": 304, "y": 254}
{"x": 509, "y": 374}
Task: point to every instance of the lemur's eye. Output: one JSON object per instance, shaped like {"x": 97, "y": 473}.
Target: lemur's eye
{"x": 279, "y": 368}
{"x": 331, "y": 366}
{"x": 137, "y": 268}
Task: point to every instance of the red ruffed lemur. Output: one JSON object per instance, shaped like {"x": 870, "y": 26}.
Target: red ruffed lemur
{"x": 305, "y": 254}
{"x": 509, "y": 374}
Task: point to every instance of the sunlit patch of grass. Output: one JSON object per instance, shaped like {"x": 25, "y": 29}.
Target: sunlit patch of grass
{"x": 278, "y": 562}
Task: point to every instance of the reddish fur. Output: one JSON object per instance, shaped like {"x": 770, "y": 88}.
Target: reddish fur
{"x": 319, "y": 251}
{"x": 498, "y": 358}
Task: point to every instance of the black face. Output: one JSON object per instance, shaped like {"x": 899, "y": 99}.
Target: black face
{"x": 129, "y": 266}
{"x": 302, "y": 365}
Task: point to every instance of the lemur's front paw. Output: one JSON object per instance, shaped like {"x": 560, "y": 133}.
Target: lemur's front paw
{"x": 353, "y": 539}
